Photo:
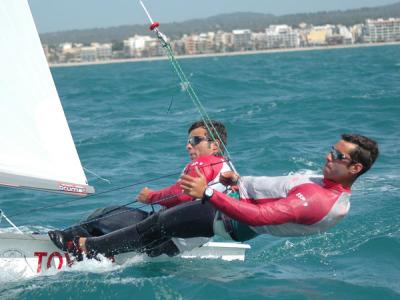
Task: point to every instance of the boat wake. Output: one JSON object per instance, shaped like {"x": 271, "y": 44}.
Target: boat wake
{"x": 16, "y": 269}
{"x": 15, "y": 266}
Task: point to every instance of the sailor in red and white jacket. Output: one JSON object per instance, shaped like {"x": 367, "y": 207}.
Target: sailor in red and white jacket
{"x": 287, "y": 206}
{"x": 205, "y": 159}
{"x": 294, "y": 205}
{"x": 204, "y": 155}
{"x": 210, "y": 167}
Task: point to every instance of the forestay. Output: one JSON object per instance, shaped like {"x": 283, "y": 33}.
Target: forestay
{"x": 37, "y": 149}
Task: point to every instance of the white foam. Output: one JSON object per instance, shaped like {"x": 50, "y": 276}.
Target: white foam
{"x": 14, "y": 270}
{"x": 184, "y": 86}
{"x": 17, "y": 269}
{"x": 27, "y": 229}
{"x": 304, "y": 172}
{"x": 304, "y": 161}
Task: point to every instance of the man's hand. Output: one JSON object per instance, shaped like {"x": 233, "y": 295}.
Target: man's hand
{"x": 194, "y": 186}
{"x": 143, "y": 195}
{"x": 229, "y": 178}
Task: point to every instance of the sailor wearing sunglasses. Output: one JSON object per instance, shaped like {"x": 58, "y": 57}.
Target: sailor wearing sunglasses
{"x": 204, "y": 153}
{"x": 182, "y": 225}
{"x": 291, "y": 205}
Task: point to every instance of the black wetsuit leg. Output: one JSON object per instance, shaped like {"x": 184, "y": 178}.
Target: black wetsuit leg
{"x": 106, "y": 220}
{"x": 191, "y": 219}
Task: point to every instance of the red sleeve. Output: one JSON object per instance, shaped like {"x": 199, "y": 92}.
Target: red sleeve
{"x": 303, "y": 205}
{"x": 173, "y": 195}
{"x": 169, "y": 196}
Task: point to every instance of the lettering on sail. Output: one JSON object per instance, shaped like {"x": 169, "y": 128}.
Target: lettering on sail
{"x": 70, "y": 188}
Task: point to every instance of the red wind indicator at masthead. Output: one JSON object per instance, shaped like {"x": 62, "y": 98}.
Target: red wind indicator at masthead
{"x": 154, "y": 25}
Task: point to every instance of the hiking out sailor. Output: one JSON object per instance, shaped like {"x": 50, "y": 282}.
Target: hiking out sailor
{"x": 293, "y": 205}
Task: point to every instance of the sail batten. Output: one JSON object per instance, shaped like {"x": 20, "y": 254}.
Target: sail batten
{"x": 37, "y": 149}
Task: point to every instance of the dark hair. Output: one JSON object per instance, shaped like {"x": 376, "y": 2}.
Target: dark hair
{"x": 218, "y": 129}
{"x": 366, "y": 152}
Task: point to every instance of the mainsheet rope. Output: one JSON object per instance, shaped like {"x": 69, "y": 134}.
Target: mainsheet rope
{"x": 110, "y": 191}
{"x": 108, "y": 213}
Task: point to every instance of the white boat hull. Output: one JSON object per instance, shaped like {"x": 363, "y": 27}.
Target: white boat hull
{"x": 37, "y": 254}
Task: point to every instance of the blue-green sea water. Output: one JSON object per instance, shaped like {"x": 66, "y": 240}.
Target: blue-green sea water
{"x": 283, "y": 111}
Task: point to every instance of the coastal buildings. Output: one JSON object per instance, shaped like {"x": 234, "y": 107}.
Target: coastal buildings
{"x": 103, "y": 51}
{"x": 241, "y": 40}
{"x": 377, "y": 31}
{"x": 136, "y": 45}
{"x": 75, "y": 52}
{"x": 199, "y": 43}
{"x": 88, "y": 53}
{"x": 317, "y": 36}
{"x": 282, "y": 36}
{"x": 279, "y": 36}
{"x": 340, "y": 35}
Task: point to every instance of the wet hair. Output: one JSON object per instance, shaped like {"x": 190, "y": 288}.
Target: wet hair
{"x": 366, "y": 151}
{"x": 217, "y": 128}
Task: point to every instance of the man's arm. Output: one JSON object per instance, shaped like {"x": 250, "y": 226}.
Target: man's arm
{"x": 168, "y": 197}
{"x": 257, "y": 214}
{"x": 173, "y": 195}
{"x": 304, "y": 204}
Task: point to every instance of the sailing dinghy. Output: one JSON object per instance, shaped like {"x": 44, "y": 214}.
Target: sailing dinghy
{"x": 38, "y": 150}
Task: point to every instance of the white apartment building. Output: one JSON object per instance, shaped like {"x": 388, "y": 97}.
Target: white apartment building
{"x": 65, "y": 47}
{"x": 381, "y": 30}
{"x": 259, "y": 40}
{"x": 88, "y": 53}
{"x": 152, "y": 48}
{"x": 134, "y": 46}
{"x": 282, "y": 36}
{"x": 223, "y": 41}
{"x": 199, "y": 43}
{"x": 103, "y": 51}
{"x": 340, "y": 35}
{"x": 357, "y": 31}
{"x": 69, "y": 52}
{"x": 241, "y": 39}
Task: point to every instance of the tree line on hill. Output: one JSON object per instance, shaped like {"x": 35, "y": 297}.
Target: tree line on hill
{"x": 256, "y": 22}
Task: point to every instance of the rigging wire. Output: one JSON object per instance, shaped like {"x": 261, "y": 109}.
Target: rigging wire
{"x": 185, "y": 82}
{"x": 191, "y": 92}
{"x": 97, "y": 194}
{"x": 97, "y": 176}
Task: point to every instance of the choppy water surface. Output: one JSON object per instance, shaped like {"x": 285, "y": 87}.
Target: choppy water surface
{"x": 283, "y": 112}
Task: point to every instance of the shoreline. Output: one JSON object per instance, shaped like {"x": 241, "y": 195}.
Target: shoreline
{"x": 252, "y": 52}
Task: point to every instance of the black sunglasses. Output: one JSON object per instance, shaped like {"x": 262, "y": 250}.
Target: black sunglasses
{"x": 337, "y": 155}
{"x": 195, "y": 140}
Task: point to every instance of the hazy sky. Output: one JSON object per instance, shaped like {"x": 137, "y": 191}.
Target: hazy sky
{"x": 56, "y": 15}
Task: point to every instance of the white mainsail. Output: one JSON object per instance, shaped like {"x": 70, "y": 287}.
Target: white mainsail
{"x": 37, "y": 150}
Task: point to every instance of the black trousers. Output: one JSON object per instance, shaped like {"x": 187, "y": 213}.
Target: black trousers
{"x": 112, "y": 231}
{"x": 106, "y": 220}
